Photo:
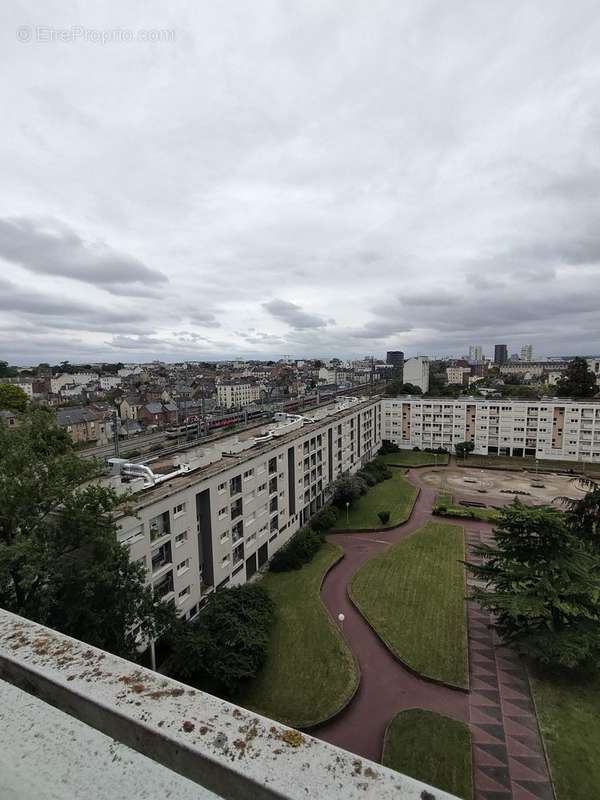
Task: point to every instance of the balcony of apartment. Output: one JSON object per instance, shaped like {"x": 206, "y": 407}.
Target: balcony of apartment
{"x": 272, "y": 485}
{"x": 236, "y": 510}
{"x": 238, "y": 554}
{"x": 163, "y": 588}
{"x": 235, "y": 485}
{"x": 152, "y": 747}
{"x": 272, "y": 466}
{"x": 237, "y": 532}
{"x": 160, "y": 526}
{"x": 273, "y": 505}
{"x": 161, "y": 557}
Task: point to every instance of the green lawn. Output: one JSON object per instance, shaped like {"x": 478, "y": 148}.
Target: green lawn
{"x": 413, "y": 458}
{"x": 396, "y": 495}
{"x": 310, "y": 673}
{"x": 471, "y": 512}
{"x": 431, "y": 748}
{"x": 569, "y": 717}
{"x": 413, "y": 596}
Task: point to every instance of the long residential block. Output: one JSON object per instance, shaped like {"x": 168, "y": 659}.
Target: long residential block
{"x": 209, "y": 517}
{"x": 556, "y": 428}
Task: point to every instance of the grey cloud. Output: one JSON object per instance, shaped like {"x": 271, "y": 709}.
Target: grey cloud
{"x": 52, "y": 248}
{"x": 293, "y": 315}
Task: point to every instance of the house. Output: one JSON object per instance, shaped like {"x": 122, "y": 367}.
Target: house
{"x": 158, "y": 414}
{"x": 86, "y": 424}
{"x": 9, "y": 418}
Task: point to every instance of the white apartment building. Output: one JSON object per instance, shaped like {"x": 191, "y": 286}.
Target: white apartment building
{"x": 527, "y": 352}
{"x": 555, "y": 428}
{"x": 108, "y": 382}
{"x": 456, "y": 375}
{"x": 416, "y": 371}
{"x": 233, "y": 394}
{"x": 210, "y": 516}
{"x": 77, "y": 378}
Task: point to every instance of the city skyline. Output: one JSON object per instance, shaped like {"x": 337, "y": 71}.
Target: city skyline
{"x": 303, "y": 181}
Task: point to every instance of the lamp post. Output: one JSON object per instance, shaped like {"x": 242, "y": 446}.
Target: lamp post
{"x": 347, "y": 511}
{"x": 341, "y": 618}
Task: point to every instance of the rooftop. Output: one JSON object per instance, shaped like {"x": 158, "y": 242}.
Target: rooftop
{"x": 80, "y": 723}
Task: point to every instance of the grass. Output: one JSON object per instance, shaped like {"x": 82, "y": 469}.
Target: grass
{"x": 431, "y": 748}
{"x": 412, "y": 458}
{"x": 396, "y": 495}
{"x": 310, "y": 673}
{"x": 413, "y": 596}
{"x": 471, "y": 512}
{"x": 569, "y": 717}
{"x": 443, "y": 498}
{"x": 528, "y": 463}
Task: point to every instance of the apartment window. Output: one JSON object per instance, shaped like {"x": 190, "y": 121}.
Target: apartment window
{"x": 224, "y": 537}
{"x": 222, "y": 513}
{"x": 235, "y": 485}
{"x": 262, "y": 488}
{"x": 179, "y": 510}
{"x": 181, "y": 538}
{"x": 225, "y": 561}
{"x": 248, "y": 474}
{"x": 161, "y": 556}
{"x": 222, "y": 487}
{"x": 183, "y": 566}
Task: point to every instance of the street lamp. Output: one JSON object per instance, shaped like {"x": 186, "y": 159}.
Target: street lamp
{"x": 341, "y": 618}
{"x": 347, "y": 508}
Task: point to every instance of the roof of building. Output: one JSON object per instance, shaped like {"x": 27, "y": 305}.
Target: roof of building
{"x": 77, "y": 415}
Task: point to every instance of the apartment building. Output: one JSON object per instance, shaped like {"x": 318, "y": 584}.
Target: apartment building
{"x": 416, "y": 371}
{"x": 234, "y": 394}
{"x": 457, "y": 376}
{"x": 555, "y": 428}
{"x": 86, "y": 424}
{"x": 210, "y": 516}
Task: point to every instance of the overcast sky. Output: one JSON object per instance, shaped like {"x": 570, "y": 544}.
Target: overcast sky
{"x": 305, "y": 178}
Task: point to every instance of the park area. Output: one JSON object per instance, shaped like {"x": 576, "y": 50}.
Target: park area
{"x": 413, "y": 596}
{"x": 414, "y": 458}
{"x": 310, "y": 672}
{"x": 396, "y": 495}
{"x": 432, "y": 748}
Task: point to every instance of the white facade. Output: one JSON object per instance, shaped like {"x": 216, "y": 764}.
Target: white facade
{"x": 108, "y": 382}
{"x": 559, "y": 428}
{"x": 77, "y": 378}
{"x": 416, "y": 371}
{"x": 215, "y": 525}
{"x": 455, "y": 375}
{"x": 527, "y": 352}
{"x": 237, "y": 395}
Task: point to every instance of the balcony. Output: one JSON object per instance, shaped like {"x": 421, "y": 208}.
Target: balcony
{"x": 162, "y": 756}
{"x": 160, "y": 526}
{"x": 164, "y": 587}
{"x": 161, "y": 556}
{"x": 236, "y": 509}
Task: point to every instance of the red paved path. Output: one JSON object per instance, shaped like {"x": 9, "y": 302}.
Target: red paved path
{"x": 386, "y": 687}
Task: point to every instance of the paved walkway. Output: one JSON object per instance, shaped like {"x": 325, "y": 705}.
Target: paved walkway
{"x": 506, "y": 749}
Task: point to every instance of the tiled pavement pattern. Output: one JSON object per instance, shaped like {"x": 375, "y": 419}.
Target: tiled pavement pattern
{"x": 508, "y": 760}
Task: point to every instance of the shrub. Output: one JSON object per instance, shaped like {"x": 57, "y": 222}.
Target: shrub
{"x": 347, "y": 489}
{"x": 298, "y": 551}
{"x": 228, "y": 643}
{"x": 388, "y": 447}
{"x": 324, "y": 519}
{"x": 384, "y": 516}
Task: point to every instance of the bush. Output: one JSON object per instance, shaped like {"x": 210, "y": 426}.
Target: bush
{"x": 384, "y": 516}
{"x": 388, "y": 447}
{"x": 324, "y": 519}
{"x": 298, "y": 551}
{"x": 227, "y": 644}
{"x": 347, "y": 489}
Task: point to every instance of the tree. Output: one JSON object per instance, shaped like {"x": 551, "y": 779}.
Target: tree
{"x": 228, "y": 643}
{"x": 6, "y": 371}
{"x": 542, "y": 583}
{"x": 578, "y": 380}
{"x": 12, "y": 397}
{"x": 346, "y": 489}
{"x": 462, "y": 449}
{"x": 60, "y": 561}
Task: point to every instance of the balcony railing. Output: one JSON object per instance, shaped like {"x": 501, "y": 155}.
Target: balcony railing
{"x": 169, "y": 734}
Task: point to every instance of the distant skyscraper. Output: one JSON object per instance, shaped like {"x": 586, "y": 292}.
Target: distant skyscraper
{"x": 395, "y": 358}
{"x": 527, "y": 352}
{"x": 475, "y": 352}
{"x": 500, "y": 354}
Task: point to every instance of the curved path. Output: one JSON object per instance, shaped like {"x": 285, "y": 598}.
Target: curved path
{"x": 386, "y": 687}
